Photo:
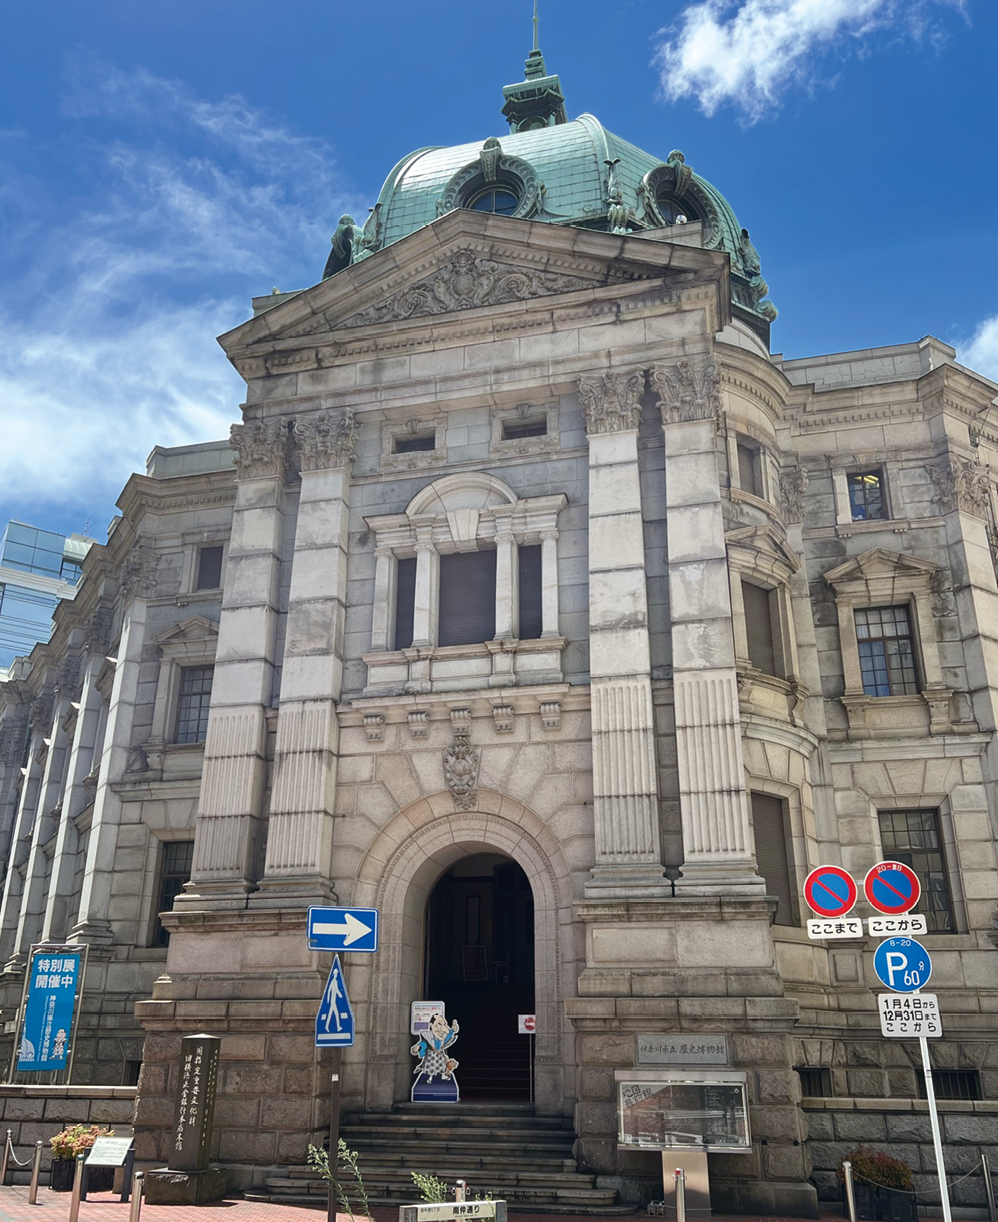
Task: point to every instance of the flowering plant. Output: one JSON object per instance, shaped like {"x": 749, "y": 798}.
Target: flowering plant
{"x": 879, "y": 1169}
{"x": 74, "y": 1140}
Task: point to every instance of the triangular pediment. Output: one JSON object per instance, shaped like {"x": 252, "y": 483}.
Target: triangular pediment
{"x": 878, "y": 564}
{"x": 466, "y": 261}
{"x": 194, "y": 628}
{"x": 764, "y": 542}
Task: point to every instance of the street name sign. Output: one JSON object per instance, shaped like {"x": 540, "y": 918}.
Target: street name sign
{"x": 453, "y": 1210}
{"x": 334, "y": 1025}
{"x": 353, "y": 929}
{"x": 892, "y": 887}
{"x": 830, "y": 891}
{"x": 845, "y": 927}
{"x": 909, "y": 1016}
{"x": 902, "y": 964}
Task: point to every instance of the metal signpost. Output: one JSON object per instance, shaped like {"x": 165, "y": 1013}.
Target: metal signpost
{"x": 338, "y": 929}
{"x": 901, "y": 962}
{"x": 526, "y": 1024}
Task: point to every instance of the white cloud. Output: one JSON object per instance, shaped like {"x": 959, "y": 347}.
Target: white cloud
{"x": 749, "y": 57}
{"x": 164, "y": 215}
{"x": 980, "y": 352}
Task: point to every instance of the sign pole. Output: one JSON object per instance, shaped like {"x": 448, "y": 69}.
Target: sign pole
{"x": 334, "y": 1132}
{"x": 937, "y": 1140}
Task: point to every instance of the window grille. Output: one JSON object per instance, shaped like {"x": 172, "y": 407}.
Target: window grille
{"x": 193, "y": 704}
{"x": 175, "y": 870}
{"x": 912, "y": 837}
{"x": 952, "y": 1084}
{"x": 815, "y": 1083}
{"x": 886, "y": 651}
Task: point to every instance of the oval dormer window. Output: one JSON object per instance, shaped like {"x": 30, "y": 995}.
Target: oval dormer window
{"x": 500, "y": 200}
{"x": 673, "y": 212}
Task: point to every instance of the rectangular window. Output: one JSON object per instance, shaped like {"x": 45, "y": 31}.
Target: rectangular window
{"x": 467, "y": 598}
{"x": 952, "y": 1084}
{"x": 748, "y": 469}
{"x": 175, "y": 870}
{"x": 209, "y": 569}
{"x": 912, "y": 837}
{"x": 769, "y": 825}
{"x": 513, "y": 430}
{"x": 192, "y": 706}
{"x": 886, "y": 651}
{"x": 762, "y": 629}
{"x": 529, "y": 560}
{"x": 815, "y": 1083}
{"x": 866, "y": 495}
{"x": 411, "y": 445}
{"x": 71, "y": 571}
{"x": 405, "y": 601}
{"x": 131, "y": 1071}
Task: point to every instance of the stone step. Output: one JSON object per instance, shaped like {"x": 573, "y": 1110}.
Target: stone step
{"x": 600, "y": 1207}
{"x": 443, "y": 1154}
{"x": 371, "y": 1135}
{"x": 498, "y": 1177}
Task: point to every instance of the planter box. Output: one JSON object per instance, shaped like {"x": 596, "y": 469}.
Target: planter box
{"x": 882, "y": 1204}
{"x": 98, "y": 1179}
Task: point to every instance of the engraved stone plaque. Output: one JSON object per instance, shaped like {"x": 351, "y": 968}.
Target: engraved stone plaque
{"x": 682, "y": 1049}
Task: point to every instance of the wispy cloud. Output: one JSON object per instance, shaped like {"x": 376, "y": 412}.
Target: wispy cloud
{"x": 980, "y": 352}
{"x": 168, "y": 213}
{"x": 751, "y": 55}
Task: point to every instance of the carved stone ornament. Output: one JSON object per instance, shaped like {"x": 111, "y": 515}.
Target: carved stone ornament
{"x": 137, "y": 760}
{"x": 69, "y": 675}
{"x": 97, "y": 631}
{"x": 261, "y": 447}
{"x": 11, "y": 743}
{"x": 685, "y": 393}
{"x": 466, "y": 282}
{"x": 792, "y": 486}
{"x": 40, "y": 714}
{"x": 611, "y": 402}
{"x": 461, "y": 763}
{"x": 326, "y": 440}
{"x": 137, "y": 578}
{"x": 90, "y": 781}
{"x": 961, "y": 485}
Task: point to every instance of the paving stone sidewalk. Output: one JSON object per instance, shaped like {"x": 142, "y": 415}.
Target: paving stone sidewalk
{"x": 105, "y": 1207}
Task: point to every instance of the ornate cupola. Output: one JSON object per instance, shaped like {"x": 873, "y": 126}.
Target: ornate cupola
{"x": 537, "y": 100}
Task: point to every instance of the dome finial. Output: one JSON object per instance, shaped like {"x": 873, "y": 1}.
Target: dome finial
{"x": 537, "y": 100}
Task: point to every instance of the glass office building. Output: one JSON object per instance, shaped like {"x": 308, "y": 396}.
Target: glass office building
{"x": 37, "y": 569}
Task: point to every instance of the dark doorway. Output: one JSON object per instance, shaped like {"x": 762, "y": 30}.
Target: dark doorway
{"x": 480, "y": 962}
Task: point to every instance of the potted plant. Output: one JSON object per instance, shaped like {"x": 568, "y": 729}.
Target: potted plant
{"x": 883, "y": 1186}
{"x": 73, "y": 1140}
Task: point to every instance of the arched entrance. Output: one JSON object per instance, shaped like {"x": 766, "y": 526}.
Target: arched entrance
{"x": 479, "y": 960}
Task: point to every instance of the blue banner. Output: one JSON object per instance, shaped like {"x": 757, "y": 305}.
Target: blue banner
{"x": 49, "y": 1011}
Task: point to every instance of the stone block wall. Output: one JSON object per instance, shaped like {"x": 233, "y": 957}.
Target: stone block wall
{"x": 36, "y": 1113}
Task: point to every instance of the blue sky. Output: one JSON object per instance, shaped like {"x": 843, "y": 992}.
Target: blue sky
{"x": 162, "y": 164}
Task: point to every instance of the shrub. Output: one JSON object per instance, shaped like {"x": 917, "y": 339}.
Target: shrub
{"x": 76, "y": 1139}
{"x": 879, "y": 1169}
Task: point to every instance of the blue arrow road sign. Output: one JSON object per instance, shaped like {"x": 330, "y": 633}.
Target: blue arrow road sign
{"x": 334, "y": 1022}
{"x": 903, "y": 964}
{"x": 343, "y": 929}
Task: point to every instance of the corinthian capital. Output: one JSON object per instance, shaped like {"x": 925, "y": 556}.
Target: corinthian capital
{"x": 685, "y": 393}
{"x": 261, "y": 448}
{"x": 326, "y": 440}
{"x": 611, "y": 402}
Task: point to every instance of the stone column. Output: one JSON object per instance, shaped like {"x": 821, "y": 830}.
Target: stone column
{"x": 136, "y": 583}
{"x": 20, "y": 844}
{"x": 549, "y": 583}
{"x": 424, "y": 623}
{"x": 507, "y": 582}
{"x": 625, "y": 799}
{"x": 235, "y": 752}
{"x": 51, "y": 808}
{"x": 383, "y": 625}
{"x": 82, "y": 758}
{"x": 717, "y": 836}
{"x": 299, "y": 838}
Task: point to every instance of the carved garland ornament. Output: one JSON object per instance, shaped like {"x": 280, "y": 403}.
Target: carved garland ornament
{"x": 326, "y": 440}
{"x": 611, "y": 402}
{"x": 792, "y": 487}
{"x": 97, "y": 631}
{"x": 461, "y": 763}
{"x": 685, "y": 393}
{"x": 261, "y": 448}
{"x": 466, "y": 282}
{"x": 961, "y": 485}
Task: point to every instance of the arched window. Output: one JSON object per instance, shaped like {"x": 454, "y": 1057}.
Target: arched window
{"x": 500, "y": 200}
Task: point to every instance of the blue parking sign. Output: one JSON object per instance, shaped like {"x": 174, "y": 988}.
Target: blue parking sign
{"x": 903, "y": 964}
{"x": 53, "y": 983}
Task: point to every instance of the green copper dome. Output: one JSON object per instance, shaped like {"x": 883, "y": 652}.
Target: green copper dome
{"x": 564, "y": 173}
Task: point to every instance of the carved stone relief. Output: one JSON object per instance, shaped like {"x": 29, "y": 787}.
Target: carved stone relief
{"x": 466, "y": 282}
{"x": 461, "y": 763}
{"x": 97, "y": 631}
{"x": 685, "y": 393}
{"x": 792, "y": 487}
{"x": 261, "y": 448}
{"x": 137, "y": 578}
{"x": 611, "y": 402}
{"x": 960, "y": 485}
{"x": 326, "y": 440}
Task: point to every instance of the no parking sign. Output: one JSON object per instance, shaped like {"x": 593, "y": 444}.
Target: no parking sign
{"x": 892, "y": 887}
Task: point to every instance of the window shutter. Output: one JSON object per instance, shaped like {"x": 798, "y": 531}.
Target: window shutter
{"x": 530, "y": 593}
{"x": 771, "y": 853}
{"x": 759, "y": 628}
{"x": 467, "y": 598}
{"x": 405, "y": 601}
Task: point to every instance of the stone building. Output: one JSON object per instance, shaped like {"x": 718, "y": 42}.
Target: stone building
{"x": 538, "y": 605}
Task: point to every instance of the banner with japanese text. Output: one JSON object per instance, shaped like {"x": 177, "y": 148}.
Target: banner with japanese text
{"x": 49, "y": 1011}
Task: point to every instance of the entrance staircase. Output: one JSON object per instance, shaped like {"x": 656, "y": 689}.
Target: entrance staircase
{"x": 503, "y": 1149}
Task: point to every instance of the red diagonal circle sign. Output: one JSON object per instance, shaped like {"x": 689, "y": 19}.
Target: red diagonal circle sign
{"x": 892, "y": 887}
{"x": 830, "y": 891}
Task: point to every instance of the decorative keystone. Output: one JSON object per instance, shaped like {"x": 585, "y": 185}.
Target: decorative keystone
{"x": 502, "y": 715}
{"x": 551, "y": 714}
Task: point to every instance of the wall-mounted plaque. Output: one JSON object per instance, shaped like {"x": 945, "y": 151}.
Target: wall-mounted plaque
{"x": 682, "y": 1049}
